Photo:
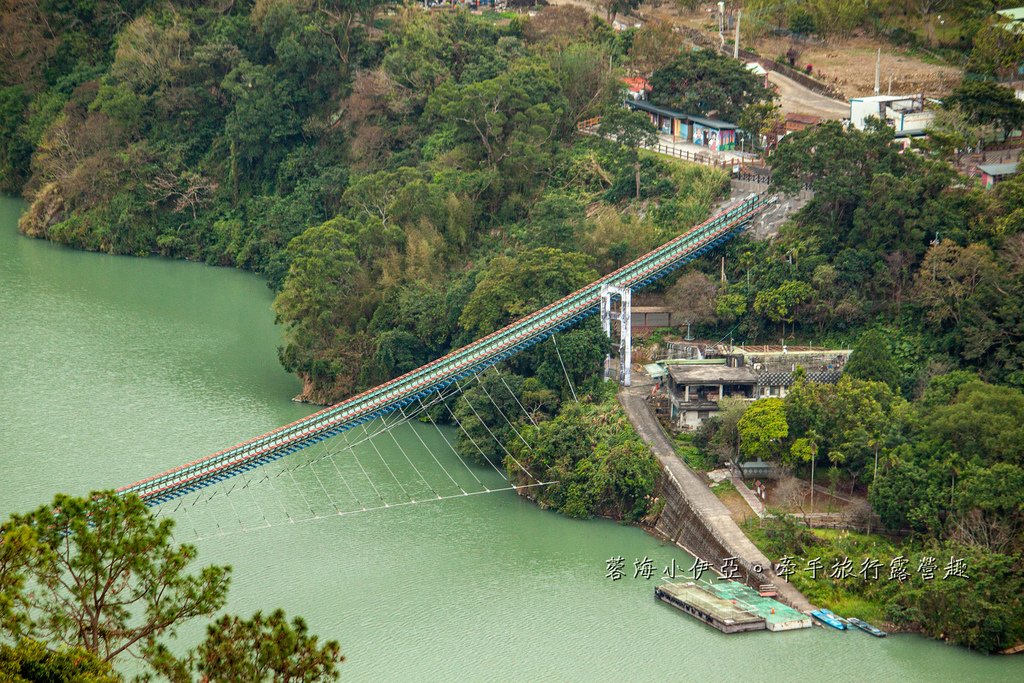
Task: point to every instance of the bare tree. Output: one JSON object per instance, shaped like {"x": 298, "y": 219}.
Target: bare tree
{"x": 186, "y": 190}
{"x": 790, "y": 495}
{"x": 986, "y": 531}
{"x": 693, "y": 297}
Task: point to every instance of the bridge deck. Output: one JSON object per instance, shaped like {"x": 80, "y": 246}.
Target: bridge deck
{"x": 438, "y": 375}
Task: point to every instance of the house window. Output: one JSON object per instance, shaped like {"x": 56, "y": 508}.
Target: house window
{"x": 703, "y": 414}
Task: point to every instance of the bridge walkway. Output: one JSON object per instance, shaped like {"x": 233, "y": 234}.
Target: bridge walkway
{"x": 438, "y": 375}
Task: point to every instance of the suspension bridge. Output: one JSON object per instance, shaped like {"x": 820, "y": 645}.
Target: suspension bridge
{"x": 431, "y": 384}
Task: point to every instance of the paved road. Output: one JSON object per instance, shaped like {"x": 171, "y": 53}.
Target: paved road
{"x": 704, "y": 503}
{"x": 796, "y": 98}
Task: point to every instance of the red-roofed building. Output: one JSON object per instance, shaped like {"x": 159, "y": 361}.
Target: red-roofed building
{"x": 637, "y": 87}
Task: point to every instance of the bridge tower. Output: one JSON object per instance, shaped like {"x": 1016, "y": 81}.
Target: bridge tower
{"x": 624, "y": 316}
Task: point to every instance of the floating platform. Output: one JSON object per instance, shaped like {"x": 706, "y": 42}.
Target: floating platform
{"x": 777, "y": 617}
{"x": 724, "y": 615}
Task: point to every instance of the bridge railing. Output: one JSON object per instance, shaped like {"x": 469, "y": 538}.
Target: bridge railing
{"x": 439, "y": 374}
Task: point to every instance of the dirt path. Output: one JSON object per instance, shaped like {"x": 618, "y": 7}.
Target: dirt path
{"x": 795, "y": 98}
{"x": 848, "y": 64}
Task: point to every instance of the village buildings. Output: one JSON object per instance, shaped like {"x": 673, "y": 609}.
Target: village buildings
{"x": 697, "y": 386}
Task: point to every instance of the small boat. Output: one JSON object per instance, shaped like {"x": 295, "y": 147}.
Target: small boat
{"x": 829, "y": 618}
{"x": 867, "y": 628}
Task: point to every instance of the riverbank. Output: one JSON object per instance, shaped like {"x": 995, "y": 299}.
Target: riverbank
{"x": 900, "y": 585}
{"x": 115, "y": 368}
{"x": 856, "y": 575}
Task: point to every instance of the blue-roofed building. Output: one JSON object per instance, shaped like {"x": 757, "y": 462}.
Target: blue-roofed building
{"x": 714, "y": 134}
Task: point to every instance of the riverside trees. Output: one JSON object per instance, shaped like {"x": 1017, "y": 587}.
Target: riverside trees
{"x": 99, "y": 578}
{"x": 949, "y": 475}
{"x": 403, "y": 159}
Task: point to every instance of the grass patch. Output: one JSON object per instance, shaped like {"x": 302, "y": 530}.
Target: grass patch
{"x": 695, "y": 458}
{"x": 849, "y": 593}
{"x": 724, "y": 487}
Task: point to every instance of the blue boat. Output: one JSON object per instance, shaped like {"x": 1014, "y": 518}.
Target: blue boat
{"x": 867, "y": 628}
{"x": 829, "y": 618}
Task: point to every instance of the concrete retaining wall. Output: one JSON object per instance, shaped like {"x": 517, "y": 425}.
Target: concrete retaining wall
{"x": 693, "y": 518}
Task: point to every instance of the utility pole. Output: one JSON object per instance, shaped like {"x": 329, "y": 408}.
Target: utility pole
{"x": 875, "y": 478}
{"x": 878, "y": 71}
{"x": 736, "y": 42}
{"x": 721, "y": 25}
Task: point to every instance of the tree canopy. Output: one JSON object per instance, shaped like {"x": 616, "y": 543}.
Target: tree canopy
{"x": 89, "y": 581}
{"x": 707, "y": 83}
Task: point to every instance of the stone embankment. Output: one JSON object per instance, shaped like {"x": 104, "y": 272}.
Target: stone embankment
{"x": 693, "y": 517}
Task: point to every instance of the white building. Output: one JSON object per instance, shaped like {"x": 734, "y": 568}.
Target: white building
{"x": 902, "y": 112}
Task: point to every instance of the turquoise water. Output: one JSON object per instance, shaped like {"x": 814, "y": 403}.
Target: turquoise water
{"x": 112, "y": 369}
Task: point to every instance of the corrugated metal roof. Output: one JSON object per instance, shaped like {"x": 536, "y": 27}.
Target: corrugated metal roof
{"x": 1013, "y": 13}
{"x": 655, "y": 371}
{"x": 713, "y": 123}
{"x": 648, "y": 107}
{"x": 999, "y": 169}
{"x": 672, "y": 113}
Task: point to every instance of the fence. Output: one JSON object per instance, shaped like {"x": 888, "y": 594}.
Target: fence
{"x": 590, "y": 127}
{"x": 760, "y": 177}
{"x": 697, "y": 157}
{"x": 763, "y": 177}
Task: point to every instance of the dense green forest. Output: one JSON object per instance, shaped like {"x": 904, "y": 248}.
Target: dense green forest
{"x": 921, "y": 271}
{"x": 408, "y": 181}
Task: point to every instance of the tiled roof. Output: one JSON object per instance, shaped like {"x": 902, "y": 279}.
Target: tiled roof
{"x": 785, "y": 379}
{"x": 637, "y": 83}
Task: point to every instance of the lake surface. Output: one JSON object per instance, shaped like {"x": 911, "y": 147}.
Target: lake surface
{"x": 115, "y": 368}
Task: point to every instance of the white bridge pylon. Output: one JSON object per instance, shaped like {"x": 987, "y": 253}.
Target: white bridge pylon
{"x": 624, "y": 315}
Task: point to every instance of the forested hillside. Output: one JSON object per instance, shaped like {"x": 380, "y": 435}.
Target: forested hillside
{"x": 384, "y": 169}
{"x": 405, "y": 180}
{"x": 921, "y": 273}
